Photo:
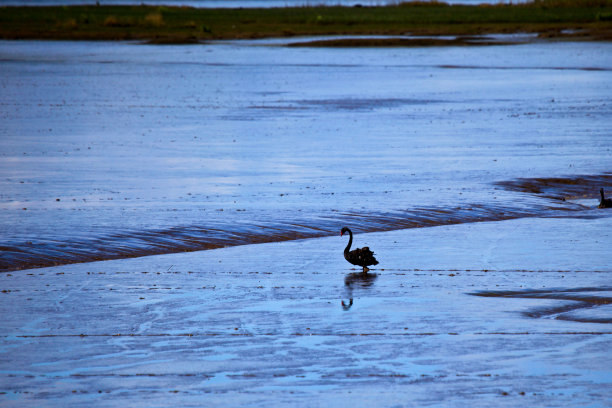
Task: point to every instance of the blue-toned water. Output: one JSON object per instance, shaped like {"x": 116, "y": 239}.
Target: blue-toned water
{"x": 115, "y": 150}
{"x": 112, "y": 150}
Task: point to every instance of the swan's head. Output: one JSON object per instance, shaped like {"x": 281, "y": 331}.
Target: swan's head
{"x": 344, "y": 231}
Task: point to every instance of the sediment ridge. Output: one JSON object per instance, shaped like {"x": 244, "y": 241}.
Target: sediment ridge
{"x": 554, "y": 193}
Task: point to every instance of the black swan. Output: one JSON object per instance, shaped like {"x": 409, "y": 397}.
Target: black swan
{"x": 361, "y": 256}
{"x": 605, "y": 202}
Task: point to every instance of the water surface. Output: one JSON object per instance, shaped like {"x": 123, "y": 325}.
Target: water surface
{"x": 112, "y": 150}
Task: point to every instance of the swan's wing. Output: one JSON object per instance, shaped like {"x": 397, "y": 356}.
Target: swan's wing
{"x": 365, "y": 256}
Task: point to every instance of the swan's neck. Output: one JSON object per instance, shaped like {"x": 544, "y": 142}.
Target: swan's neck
{"x": 602, "y": 194}
{"x": 348, "y": 247}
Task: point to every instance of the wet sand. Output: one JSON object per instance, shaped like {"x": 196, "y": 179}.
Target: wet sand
{"x": 288, "y": 143}
{"x": 504, "y": 299}
{"x": 291, "y": 324}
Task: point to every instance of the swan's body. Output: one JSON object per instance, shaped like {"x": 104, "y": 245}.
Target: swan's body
{"x": 361, "y": 256}
{"x": 605, "y": 202}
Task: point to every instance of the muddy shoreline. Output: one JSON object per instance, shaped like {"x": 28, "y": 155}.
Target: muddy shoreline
{"x": 553, "y": 193}
{"x": 101, "y": 165}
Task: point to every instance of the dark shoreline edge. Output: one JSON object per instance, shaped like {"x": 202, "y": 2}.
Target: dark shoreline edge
{"x": 405, "y": 42}
{"x": 553, "y": 193}
{"x": 550, "y": 20}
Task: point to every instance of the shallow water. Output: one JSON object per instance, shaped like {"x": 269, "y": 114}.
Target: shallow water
{"x": 293, "y": 324}
{"x": 113, "y": 150}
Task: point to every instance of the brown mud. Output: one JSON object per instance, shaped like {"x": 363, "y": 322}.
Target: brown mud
{"x": 560, "y": 188}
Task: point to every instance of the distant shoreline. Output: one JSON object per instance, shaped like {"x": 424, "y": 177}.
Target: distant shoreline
{"x": 572, "y": 20}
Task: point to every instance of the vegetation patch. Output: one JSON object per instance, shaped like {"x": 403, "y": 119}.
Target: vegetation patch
{"x": 588, "y": 19}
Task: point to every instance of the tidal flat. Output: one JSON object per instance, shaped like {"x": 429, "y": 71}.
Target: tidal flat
{"x": 494, "y": 313}
{"x": 113, "y": 150}
{"x": 473, "y": 173}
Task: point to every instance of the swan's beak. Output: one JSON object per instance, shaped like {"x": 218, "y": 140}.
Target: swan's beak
{"x": 341, "y": 233}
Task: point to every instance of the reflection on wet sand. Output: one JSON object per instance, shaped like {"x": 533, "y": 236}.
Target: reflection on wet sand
{"x": 356, "y": 280}
{"x": 580, "y": 308}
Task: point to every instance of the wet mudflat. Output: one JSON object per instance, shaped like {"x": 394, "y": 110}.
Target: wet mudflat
{"x": 114, "y": 150}
{"x": 504, "y": 299}
{"x": 291, "y": 323}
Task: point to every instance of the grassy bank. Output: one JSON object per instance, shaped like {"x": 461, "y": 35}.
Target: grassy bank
{"x": 577, "y": 19}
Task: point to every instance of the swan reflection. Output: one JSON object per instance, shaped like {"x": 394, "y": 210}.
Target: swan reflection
{"x": 356, "y": 280}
